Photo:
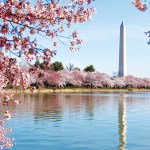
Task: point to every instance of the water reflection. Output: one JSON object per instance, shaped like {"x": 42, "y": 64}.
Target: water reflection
{"x": 122, "y": 123}
{"x": 48, "y": 108}
{"x": 53, "y": 107}
{"x": 80, "y": 121}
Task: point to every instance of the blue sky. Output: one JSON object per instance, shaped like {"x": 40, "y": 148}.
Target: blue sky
{"x": 101, "y": 39}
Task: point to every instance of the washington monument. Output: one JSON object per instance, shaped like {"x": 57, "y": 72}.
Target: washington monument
{"x": 122, "y": 52}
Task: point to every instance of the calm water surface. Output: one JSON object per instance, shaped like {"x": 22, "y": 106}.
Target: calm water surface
{"x": 81, "y": 122}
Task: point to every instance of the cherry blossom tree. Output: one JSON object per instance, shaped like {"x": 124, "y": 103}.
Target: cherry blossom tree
{"x": 22, "y": 26}
{"x": 72, "y": 78}
{"x": 132, "y": 81}
{"x": 107, "y": 81}
{"x": 146, "y": 82}
{"x": 94, "y": 79}
{"x": 78, "y": 78}
{"x": 53, "y": 78}
{"x": 119, "y": 82}
{"x": 66, "y": 77}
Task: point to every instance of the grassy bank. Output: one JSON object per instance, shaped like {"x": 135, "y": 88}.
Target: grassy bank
{"x": 84, "y": 90}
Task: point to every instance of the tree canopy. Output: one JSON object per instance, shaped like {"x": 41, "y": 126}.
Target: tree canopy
{"x": 89, "y": 68}
{"x": 57, "y": 66}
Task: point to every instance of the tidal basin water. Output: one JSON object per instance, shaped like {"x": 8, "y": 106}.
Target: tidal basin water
{"x": 81, "y": 122}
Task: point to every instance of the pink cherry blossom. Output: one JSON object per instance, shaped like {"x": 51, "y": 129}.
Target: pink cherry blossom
{"x": 16, "y": 102}
{"x": 140, "y": 5}
{"x": 7, "y": 115}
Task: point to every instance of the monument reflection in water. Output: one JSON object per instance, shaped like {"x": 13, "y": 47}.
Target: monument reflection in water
{"x": 122, "y": 123}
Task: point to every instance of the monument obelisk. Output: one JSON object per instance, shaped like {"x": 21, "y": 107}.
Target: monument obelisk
{"x": 122, "y": 52}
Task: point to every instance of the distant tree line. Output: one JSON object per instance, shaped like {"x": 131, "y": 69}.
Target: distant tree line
{"x": 75, "y": 78}
{"x": 58, "y": 66}
{"x": 56, "y": 76}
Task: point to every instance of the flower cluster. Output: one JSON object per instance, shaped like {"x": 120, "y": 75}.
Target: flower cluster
{"x": 140, "y": 5}
{"x": 23, "y": 22}
{"x": 6, "y": 142}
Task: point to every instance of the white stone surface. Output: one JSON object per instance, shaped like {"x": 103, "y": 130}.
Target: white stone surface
{"x": 122, "y": 52}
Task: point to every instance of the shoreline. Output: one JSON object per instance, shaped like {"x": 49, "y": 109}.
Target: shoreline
{"x": 82, "y": 90}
